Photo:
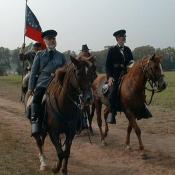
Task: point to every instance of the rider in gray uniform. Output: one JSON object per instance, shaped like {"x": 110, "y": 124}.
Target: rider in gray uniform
{"x": 45, "y": 64}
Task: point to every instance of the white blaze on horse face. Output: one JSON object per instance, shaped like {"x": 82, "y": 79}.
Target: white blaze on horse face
{"x": 161, "y": 82}
{"x": 161, "y": 69}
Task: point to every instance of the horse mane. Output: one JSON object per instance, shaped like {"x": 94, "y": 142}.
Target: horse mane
{"x": 146, "y": 59}
{"x": 62, "y": 75}
{"x": 137, "y": 65}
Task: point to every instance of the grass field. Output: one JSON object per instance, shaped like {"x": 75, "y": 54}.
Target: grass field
{"x": 164, "y": 99}
{"x": 16, "y": 79}
{"x": 167, "y": 97}
{"x": 19, "y": 155}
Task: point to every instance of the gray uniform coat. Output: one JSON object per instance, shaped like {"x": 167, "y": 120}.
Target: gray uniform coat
{"x": 43, "y": 67}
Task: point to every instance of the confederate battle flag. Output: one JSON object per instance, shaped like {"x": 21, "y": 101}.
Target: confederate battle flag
{"x": 33, "y": 29}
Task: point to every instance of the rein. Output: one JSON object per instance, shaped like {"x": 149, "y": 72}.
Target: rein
{"x": 151, "y": 82}
{"x": 78, "y": 104}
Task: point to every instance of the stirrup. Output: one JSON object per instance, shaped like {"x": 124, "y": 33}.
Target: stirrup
{"x": 111, "y": 119}
{"x": 34, "y": 128}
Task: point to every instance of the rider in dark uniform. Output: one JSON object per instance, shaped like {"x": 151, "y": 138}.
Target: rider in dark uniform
{"x": 118, "y": 58}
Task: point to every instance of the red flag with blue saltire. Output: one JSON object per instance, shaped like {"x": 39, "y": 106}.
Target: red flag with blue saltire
{"x": 32, "y": 28}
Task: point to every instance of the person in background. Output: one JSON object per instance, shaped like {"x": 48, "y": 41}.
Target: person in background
{"x": 28, "y": 57}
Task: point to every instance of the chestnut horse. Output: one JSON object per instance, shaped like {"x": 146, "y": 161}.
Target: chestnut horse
{"x": 132, "y": 94}
{"x": 68, "y": 93}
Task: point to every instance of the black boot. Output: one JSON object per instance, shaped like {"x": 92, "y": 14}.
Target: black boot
{"x": 84, "y": 123}
{"x": 145, "y": 113}
{"x": 35, "y": 112}
{"x": 111, "y": 118}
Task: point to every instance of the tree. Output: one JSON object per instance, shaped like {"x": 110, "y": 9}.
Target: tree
{"x": 143, "y": 51}
{"x": 4, "y": 60}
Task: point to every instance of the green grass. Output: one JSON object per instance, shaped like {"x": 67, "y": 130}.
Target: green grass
{"x": 16, "y": 79}
{"x": 166, "y": 98}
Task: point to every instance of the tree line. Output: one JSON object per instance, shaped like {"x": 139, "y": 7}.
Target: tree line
{"x": 10, "y": 63}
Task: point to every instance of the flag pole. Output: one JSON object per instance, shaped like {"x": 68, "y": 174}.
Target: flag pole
{"x": 23, "y": 48}
{"x": 25, "y": 21}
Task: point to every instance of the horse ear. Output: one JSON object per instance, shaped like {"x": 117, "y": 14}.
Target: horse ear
{"x": 74, "y": 60}
{"x": 153, "y": 57}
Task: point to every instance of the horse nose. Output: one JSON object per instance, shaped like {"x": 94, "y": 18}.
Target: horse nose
{"x": 164, "y": 85}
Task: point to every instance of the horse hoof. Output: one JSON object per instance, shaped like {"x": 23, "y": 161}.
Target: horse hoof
{"x": 43, "y": 168}
{"x": 104, "y": 143}
{"x": 64, "y": 172}
{"x": 128, "y": 147}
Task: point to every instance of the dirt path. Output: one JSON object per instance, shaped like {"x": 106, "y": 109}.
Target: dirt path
{"x": 19, "y": 153}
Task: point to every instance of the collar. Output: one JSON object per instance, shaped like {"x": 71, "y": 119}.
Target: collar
{"x": 46, "y": 51}
{"x": 120, "y": 46}
{"x": 51, "y": 50}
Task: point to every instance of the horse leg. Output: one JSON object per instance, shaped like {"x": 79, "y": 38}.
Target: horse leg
{"x": 54, "y": 136}
{"x": 66, "y": 155}
{"x": 138, "y": 133}
{"x": 106, "y": 112}
{"x": 129, "y": 129}
{"x": 98, "y": 105}
{"x": 23, "y": 93}
{"x": 90, "y": 117}
{"x": 40, "y": 143}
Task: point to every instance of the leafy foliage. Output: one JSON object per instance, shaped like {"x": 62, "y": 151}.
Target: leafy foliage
{"x": 10, "y": 63}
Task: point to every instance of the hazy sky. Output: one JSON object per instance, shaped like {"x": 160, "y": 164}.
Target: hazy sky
{"x": 92, "y": 22}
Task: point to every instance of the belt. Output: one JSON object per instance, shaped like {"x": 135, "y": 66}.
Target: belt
{"x": 46, "y": 73}
{"x": 119, "y": 65}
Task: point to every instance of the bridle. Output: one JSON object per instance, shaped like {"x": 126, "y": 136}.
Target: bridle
{"x": 79, "y": 93}
{"x": 151, "y": 79}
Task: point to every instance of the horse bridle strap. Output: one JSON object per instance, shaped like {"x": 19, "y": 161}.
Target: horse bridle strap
{"x": 150, "y": 81}
{"x": 78, "y": 105}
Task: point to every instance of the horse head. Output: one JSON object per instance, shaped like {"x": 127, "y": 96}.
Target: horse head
{"x": 84, "y": 71}
{"x": 154, "y": 73}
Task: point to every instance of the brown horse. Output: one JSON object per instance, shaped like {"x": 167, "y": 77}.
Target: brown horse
{"x": 67, "y": 94}
{"x": 132, "y": 94}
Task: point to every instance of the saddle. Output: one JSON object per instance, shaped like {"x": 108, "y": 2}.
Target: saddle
{"x": 106, "y": 91}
